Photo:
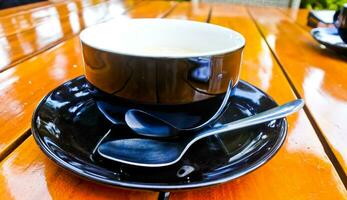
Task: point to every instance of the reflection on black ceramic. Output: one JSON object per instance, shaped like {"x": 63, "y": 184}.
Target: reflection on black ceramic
{"x": 67, "y": 125}
{"x": 330, "y": 38}
{"x": 340, "y": 22}
{"x": 176, "y": 68}
{"x": 146, "y": 124}
{"x": 114, "y": 108}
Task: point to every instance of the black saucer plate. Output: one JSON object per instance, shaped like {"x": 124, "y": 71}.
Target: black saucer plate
{"x": 67, "y": 125}
{"x": 330, "y": 38}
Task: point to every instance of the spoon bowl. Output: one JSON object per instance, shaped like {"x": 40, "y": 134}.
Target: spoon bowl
{"x": 148, "y": 125}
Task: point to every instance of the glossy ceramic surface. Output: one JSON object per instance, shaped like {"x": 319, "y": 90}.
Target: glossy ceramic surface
{"x": 330, "y": 38}
{"x": 67, "y": 125}
{"x": 340, "y": 21}
{"x": 146, "y": 124}
{"x": 161, "y": 61}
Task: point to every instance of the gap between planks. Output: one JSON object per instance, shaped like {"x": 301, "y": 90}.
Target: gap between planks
{"x": 314, "y": 124}
{"x": 78, "y": 12}
{"x": 53, "y": 44}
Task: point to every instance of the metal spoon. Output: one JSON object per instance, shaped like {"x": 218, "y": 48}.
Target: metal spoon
{"x": 146, "y": 124}
{"x": 158, "y": 153}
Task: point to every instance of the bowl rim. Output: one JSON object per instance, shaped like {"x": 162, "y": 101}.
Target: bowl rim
{"x": 239, "y": 45}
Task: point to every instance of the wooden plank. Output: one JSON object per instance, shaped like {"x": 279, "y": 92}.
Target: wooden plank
{"x": 317, "y": 74}
{"x": 29, "y": 174}
{"x": 17, "y": 23}
{"x": 22, "y": 21}
{"x": 301, "y": 169}
{"x": 22, "y": 86}
{"x": 191, "y": 11}
{"x": 297, "y": 15}
{"x": 35, "y": 9}
{"x": 17, "y": 9}
{"x": 18, "y": 47}
{"x": 154, "y": 9}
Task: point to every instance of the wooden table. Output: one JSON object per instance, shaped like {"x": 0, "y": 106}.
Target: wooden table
{"x": 40, "y": 50}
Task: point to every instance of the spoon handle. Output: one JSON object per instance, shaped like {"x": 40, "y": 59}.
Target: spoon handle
{"x": 266, "y": 116}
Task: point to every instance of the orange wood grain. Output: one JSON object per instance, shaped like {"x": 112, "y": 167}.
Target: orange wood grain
{"x": 318, "y": 75}
{"x": 28, "y": 174}
{"x": 301, "y": 169}
{"x": 297, "y": 15}
{"x": 17, "y": 47}
{"x": 17, "y": 23}
{"x": 152, "y": 9}
{"x": 191, "y": 11}
{"x": 17, "y": 9}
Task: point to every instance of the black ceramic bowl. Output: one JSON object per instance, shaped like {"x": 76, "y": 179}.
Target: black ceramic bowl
{"x": 161, "y": 61}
